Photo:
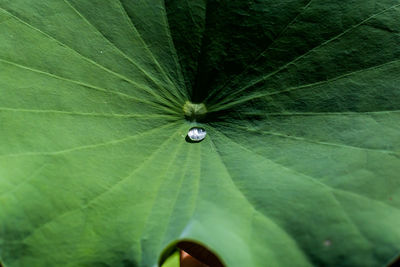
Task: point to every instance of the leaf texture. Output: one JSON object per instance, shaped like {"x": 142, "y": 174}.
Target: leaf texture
{"x": 300, "y": 165}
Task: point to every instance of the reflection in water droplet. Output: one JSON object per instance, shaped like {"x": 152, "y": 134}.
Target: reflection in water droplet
{"x": 196, "y": 134}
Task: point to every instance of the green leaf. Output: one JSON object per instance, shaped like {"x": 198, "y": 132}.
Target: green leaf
{"x": 300, "y": 101}
{"x": 172, "y": 261}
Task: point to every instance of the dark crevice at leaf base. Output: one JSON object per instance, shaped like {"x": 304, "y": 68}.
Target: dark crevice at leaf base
{"x": 395, "y": 262}
{"x": 200, "y": 253}
{"x": 194, "y": 249}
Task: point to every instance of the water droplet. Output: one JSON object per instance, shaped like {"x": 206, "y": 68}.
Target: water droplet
{"x": 196, "y": 134}
{"x": 327, "y": 243}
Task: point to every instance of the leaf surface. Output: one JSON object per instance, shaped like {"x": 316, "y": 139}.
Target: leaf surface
{"x": 300, "y": 164}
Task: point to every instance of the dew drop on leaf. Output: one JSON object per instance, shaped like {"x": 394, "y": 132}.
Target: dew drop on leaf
{"x": 196, "y": 134}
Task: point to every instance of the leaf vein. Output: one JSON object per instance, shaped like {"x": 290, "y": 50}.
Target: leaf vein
{"x": 84, "y": 147}
{"x": 121, "y": 76}
{"x": 98, "y": 195}
{"x": 263, "y": 78}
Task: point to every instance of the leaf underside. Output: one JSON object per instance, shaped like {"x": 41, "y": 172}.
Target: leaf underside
{"x": 301, "y": 161}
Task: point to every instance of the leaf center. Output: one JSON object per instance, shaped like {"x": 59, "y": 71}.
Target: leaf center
{"x": 194, "y": 112}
